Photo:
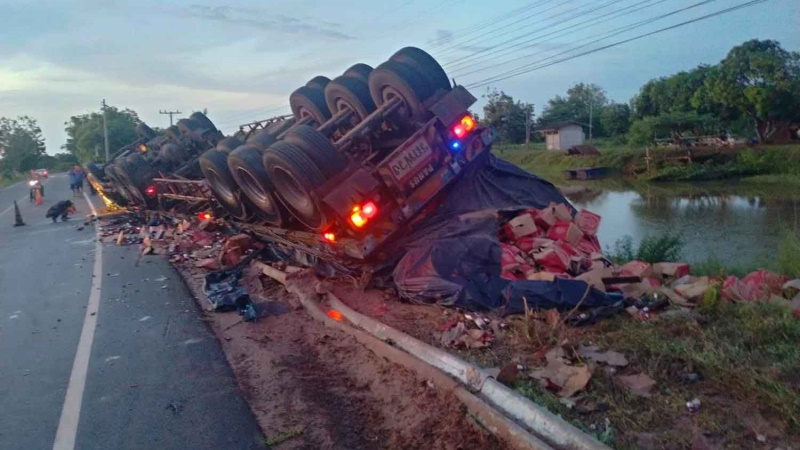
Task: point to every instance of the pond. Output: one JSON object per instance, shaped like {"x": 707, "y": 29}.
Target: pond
{"x": 738, "y": 223}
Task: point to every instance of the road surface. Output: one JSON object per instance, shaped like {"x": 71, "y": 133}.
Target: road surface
{"x": 138, "y": 369}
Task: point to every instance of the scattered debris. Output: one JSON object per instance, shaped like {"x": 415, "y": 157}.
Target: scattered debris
{"x": 611, "y": 358}
{"x": 558, "y": 375}
{"x": 693, "y": 405}
{"x": 639, "y": 384}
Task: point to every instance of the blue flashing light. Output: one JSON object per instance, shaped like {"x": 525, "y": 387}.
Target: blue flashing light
{"x": 455, "y": 145}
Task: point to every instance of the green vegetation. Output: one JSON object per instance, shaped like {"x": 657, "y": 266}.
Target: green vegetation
{"x": 85, "y": 132}
{"x": 652, "y": 249}
{"x": 8, "y": 180}
{"x": 788, "y": 261}
{"x": 21, "y": 145}
{"x": 283, "y": 437}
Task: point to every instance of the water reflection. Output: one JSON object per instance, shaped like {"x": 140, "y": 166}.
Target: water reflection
{"x": 739, "y": 223}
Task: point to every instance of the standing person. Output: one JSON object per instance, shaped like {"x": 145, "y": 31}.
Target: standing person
{"x": 75, "y": 179}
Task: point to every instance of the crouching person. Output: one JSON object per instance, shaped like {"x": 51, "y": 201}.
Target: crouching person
{"x": 61, "y": 209}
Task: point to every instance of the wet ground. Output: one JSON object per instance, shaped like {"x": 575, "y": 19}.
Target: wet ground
{"x": 738, "y": 223}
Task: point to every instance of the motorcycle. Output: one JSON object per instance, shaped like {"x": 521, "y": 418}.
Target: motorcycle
{"x": 36, "y": 186}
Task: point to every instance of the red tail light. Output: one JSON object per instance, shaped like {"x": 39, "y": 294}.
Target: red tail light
{"x": 150, "y": 191}
{"x": 330, "y": 237}
{"x": 205, "y": 216}
{"x": 464, "y": 126}
{"x": 362, "y": 214}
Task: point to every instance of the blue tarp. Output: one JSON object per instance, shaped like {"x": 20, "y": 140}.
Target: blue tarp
{"x": 453, "y": 256}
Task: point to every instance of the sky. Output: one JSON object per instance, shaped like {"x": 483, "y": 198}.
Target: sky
{"x": 240, "y": 60}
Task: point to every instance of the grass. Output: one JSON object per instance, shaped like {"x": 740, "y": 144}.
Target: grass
{"x": 6, "y": 181}
{"x": 765, "y": 164}
{"x": 283, "y": 437}
{"x": 653, "y": 249}
{"x": 747, "y": 359}
{"x": 788, "y": 261}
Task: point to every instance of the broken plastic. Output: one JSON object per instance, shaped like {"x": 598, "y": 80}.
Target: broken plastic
{"x": 224, "y": 291}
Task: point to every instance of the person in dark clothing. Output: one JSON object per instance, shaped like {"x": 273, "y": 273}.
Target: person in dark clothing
{"x": 61, "y": 209}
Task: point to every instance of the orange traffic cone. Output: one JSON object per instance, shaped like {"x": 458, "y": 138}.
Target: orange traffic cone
{"x": 38, "y": 197}
{"x": 17, "y": 216}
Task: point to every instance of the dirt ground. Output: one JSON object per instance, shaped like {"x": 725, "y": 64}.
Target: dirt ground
{"x": 312, "y": 387}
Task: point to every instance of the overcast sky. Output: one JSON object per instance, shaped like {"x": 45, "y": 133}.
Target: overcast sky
{"x": 241, "y": 59}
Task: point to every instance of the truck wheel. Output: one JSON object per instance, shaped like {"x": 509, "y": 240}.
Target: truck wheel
{"x": 295, "y": 176}
{"x": 145, "y": 132}
{"x": 203, "y": 121}
{"x": 261, "y": 139}
{"x": 187, "y": 126}
{"x": 214, "y": 164}
{"x": 394, "y": 79}
{"x": 173, "y": 132}
{"x": 96, "y": 171}
{"x": 247, "y": 168}
{"x": 174, "y": 153}
{"x": 309, "y": 102}
{"x": 318, "y": 82}
{"x": 136, "y": 174}
{"x": 426, "y": 65}
{"x": 347, "y": 92}
{"x": 318, "y": 148}
{"x": 360, "y": 71}
{"x": 279, "y": 127}
{"x": 228, "y": 144}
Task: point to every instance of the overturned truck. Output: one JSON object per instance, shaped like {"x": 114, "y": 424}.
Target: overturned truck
{"x": 360, "y": 158}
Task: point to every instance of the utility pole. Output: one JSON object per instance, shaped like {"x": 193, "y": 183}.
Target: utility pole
{"x": 105, "y": 130}
{"x": 170, "y": 114}
{"x": 527, "y": 125}
{"x": 591, "y": 108}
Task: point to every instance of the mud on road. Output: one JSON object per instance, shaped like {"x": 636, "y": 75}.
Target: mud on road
{"x": 313, "y": 387}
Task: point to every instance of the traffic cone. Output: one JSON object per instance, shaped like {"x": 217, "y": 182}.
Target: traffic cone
{"x": 17, "y": 216}
{"x": 38, "y": 197}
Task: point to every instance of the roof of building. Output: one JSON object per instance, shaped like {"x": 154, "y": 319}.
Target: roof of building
{"x": 555, "y": 126}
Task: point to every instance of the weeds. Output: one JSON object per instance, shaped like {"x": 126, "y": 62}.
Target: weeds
{"x": 789, "y": 255}
{"x": 667, "y": 247}
{"x": 283, "y": 437}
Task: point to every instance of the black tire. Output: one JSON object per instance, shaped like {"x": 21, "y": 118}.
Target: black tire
{"x": 145, "y": 132}
{"x": 135, "y": 174}
{"x": 318, "y": 148}
{"x": 214, "y": 164}
{"x": 309, "y": 102}
{"x": 228, "y": 144}
{"x": 360, "y": 71}
{"x": 396, "y": 79}
{"x": 187, "y": 126}
{"x": 204, "y": 121}
{"x": 173, "y": 132}
{"x": 247, "y": 168}
{"x": 279, "y": 127}
{"x": 349, "y": 92}
{"x": 426, "y": 65}
{"x": 96, "y": 171}
{"x": 318, "y": 82}
{"x": 261, "y": 139}
{"x": 174, "y": 153}
{"x": 295, "y": 176}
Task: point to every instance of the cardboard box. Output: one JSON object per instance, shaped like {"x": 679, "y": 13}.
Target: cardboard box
{"x": 589, "y": 246}
{"x": 520, "y": 226}
{"x": 511, "y": 256}
{"x": 594, "y": 277}
{"x": 693, "y": 291}
{"x": 531, "y": 243}
{"x": 636, "y": 269}
{"x": 552, "y": 258}
{"x": 671, "y": 270}
{"x": 588, "y": 222}
{"x": 545, "y": 218}
{"x": 540, "y": 276}
{"x": 562, "y": 212}
{"x": 565, "y": 231}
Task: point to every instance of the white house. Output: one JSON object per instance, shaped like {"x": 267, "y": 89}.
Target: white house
{"x": 563, "y": 135}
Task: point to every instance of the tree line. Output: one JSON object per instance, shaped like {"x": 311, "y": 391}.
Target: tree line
{"x": 753, "y": 92}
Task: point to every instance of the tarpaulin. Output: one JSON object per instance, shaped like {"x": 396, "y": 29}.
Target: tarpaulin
{"x": 453, "y": 256}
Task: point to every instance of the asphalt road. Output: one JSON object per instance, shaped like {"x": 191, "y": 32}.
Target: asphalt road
{"x": 155, "y": 378}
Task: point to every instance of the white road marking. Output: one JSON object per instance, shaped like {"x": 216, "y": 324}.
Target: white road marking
{"x": 12, "y": 206}
{"x": 192, "y": 341}
{"x": 145, "y": 318}
{"x": 71, "y": 413}
{"x": 112, "y": 358}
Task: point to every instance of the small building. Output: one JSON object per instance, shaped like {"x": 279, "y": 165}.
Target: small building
{"x": 563, "y": 135}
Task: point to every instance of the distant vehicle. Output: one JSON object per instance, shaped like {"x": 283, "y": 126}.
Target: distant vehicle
{"x": 42, "y": 173}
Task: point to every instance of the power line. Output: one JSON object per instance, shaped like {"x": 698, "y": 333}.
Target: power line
{"x": 170, "y": 114}
{"x": 582, "y": 13}
{"x": 536, "y": 41}
{"x": 496, "y": 19}
{"x": 615, "y": 32}
{"x": 495, "y": 29}
{"x": 517, "y": 72}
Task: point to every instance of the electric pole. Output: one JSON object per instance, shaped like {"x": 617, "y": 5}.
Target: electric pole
{"x": 591, "y": 104}
{"x": 170, "y": 114}
{"x": 105, "y": 130}
{"x": 528, "y": 114}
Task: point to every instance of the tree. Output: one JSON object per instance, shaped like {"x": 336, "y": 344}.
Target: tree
{"x": 582, "y": 101}
{"x": 671, "y": 94}
{"x": 507, "y": 116}
{"x": 674, "y": 125}
{"x": 85, "y": 132}
{"x": 21, "y": 144}
{"x": 760, "y": 80}
{"x": 615, "y": 119}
